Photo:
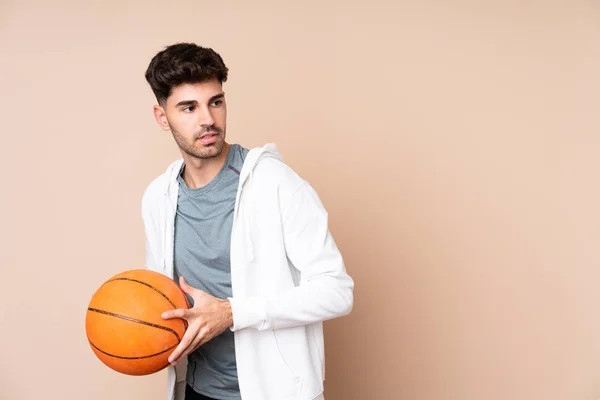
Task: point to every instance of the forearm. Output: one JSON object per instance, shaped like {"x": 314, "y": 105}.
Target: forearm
{"x": 317, "y": 300}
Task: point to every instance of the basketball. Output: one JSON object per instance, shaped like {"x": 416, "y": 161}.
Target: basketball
{"x": 124, "y": 326}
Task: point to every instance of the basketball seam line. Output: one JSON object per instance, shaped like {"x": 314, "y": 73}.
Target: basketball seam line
{"x": 185, "y": 323}
{"x": 131, "y": 358}
{"x": 146, "y": 284}
{"x": 139, "y": 321}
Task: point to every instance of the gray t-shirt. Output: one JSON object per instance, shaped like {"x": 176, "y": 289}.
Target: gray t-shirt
{"x": 202, "y": 239}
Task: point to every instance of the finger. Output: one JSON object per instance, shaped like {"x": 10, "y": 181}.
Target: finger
{"x": 197, "y": 342}
{"x": 188, "y": 338}
{"x": 178, "y": 313}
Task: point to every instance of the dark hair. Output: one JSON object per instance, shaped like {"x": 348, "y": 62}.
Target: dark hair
{"x": 183, "y": 63}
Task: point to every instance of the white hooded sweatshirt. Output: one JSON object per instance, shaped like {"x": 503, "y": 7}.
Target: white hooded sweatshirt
{"x": 287, "y": 276}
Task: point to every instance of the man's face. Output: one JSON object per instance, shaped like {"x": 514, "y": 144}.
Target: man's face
{"x": 196, "y": 114}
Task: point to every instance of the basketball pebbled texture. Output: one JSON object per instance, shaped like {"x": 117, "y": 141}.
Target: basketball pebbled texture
{"x": 124, "y": 326}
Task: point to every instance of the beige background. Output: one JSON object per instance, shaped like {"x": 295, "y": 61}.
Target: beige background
{"x": 454, "y": 143}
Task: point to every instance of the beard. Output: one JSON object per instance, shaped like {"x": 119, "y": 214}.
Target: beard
{"x": 198, "y": 150}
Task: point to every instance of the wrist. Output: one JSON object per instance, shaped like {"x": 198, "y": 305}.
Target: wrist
{"x": 227, "y": 312}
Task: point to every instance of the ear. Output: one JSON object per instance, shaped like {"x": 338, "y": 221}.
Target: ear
{"x": 161, "y": 117}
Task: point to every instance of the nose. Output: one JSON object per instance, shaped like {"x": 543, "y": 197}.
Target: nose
{"x": 205, "y": 117}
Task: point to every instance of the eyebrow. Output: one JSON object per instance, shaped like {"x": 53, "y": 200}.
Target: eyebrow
{"x": 194, "y": 102}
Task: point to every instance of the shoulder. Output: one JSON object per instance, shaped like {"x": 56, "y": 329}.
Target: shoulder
{"x": 272, "y": 175}
{"x": 159, "y": 186}
{"x": 265, "y": 168}
{"x": 295, "y": 195}
{"x": 276, "y": 171}
{"x": 153, "y": 189}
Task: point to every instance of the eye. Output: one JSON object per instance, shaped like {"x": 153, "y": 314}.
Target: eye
{"x": 217, "y": 103}
{"x": 189, "y": 109}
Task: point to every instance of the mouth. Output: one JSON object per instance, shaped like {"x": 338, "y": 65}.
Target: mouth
{"x": 209, "y": 137}
{"x": 209, "y": 133}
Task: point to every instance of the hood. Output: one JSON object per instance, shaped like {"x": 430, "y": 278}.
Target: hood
{"x": 254, "y": 156}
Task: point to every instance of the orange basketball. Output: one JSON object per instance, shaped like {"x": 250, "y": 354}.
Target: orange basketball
{"x": 124, "y": 325}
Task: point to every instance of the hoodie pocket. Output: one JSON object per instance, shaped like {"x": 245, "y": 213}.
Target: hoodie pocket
{"x": 288, "y": 382}
{"x": 286, "y": 365}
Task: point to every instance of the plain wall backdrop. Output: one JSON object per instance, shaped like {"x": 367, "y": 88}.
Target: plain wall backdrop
{"x": 454, "y": 143}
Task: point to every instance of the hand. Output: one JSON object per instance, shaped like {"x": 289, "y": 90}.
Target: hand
{"x": 208, "y": 318}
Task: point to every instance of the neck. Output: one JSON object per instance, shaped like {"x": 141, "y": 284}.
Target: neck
{"x": 199, "y": 172}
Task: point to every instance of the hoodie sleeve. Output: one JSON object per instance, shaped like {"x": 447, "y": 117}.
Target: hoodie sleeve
{"x": 325, "y": 290}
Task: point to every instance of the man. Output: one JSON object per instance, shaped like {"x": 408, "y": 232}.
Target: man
{"x": 247, "y": 240}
